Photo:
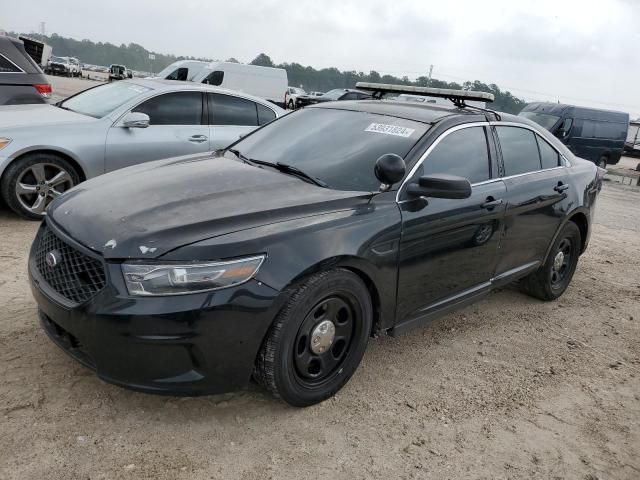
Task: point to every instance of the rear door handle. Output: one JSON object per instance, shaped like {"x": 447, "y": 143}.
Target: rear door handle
{"x": 561, "y": 187}
{"x": 198, "y": 138}
{"x": 492, "y": 203}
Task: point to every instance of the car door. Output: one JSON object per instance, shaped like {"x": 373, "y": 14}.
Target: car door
{"x": 232, "y": 117}
{"x": 175, "y": 128}
{"x": 449, "y": 248}
{"x": 537, "y": 196}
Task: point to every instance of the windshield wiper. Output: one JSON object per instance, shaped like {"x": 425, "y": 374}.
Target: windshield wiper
{"x": 281, "y": 167}
{"x": 238, "y": 154}
{"x": 286, "y": 168}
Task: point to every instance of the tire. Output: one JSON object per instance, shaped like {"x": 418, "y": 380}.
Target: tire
{"x": 290, "y": 105}
{"x": 26, "y": 174}
{"x": 602, "y": 162}
{"x": 552, "y": 279}
{"x": 287, "y": 364}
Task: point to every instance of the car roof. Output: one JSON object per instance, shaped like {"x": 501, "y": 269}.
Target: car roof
{"x": 559, "y": 108}
{"x": 160, "y": 84}
{"x": 418, "y": 112}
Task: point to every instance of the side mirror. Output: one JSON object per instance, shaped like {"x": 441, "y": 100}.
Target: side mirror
{"x": 440, "y": 186}
{"x": 390, "y": 168}
{"x": 136, "y": 120}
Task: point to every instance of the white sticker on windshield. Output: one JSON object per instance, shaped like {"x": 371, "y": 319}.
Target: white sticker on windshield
{"x": 390, "y": 130}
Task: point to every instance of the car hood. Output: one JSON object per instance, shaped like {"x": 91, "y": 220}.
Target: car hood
{"x": 33, "y": 115}
{"x": 148, "y": 210}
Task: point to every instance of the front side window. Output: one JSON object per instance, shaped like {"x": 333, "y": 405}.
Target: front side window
{"x": 519, "y": 150}
{"x": 214, "y": 78}
{"x": 176, "y": 108}
{"x": 230, "y": 110}
{"x": 549, "y": 157}
{"x": 100, "y": 101}
{"x": 179, "y": 74}
{"x": 462, "y": 153}
{"x": 339, "y": 147}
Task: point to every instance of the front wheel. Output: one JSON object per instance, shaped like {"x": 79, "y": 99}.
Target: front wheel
{"x": 317, "y": 340}
{"x": 290, "y": 105}
{"x": 602, "y": 162}
{"x": 32, "y": 182}
{"x": 552, "y": 279}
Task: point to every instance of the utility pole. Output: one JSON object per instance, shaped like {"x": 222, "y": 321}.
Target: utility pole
{"x": 430, "y": 72}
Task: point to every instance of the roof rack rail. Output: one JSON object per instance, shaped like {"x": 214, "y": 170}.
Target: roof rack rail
{"x": 458, "y": 97}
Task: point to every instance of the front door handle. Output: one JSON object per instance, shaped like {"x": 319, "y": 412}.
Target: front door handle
{"x": 492, "y": 203}
{"x": 561, "y": 187}
{"x": 198, "y": 138}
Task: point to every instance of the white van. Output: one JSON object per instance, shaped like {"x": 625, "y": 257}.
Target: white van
{"x": 264, "y": 82}
{"x": 183, "y": 70}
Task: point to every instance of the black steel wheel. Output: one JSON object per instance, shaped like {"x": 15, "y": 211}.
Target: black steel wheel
{"x": 318, "y": 339}
{"x": 552, "y": 279}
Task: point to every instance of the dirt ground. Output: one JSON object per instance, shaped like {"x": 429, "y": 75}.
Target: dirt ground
{"x": 508, "y": 388}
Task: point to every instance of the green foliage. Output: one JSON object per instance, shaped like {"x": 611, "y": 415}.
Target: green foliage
{"x": 136, "y": 57}
{"x": 328, "y": 78}
{"x": 133, "y": 56}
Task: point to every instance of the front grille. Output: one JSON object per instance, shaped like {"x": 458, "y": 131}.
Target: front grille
{"x": 71, "y": 273}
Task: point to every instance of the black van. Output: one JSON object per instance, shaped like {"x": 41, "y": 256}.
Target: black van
{"x": 21, "y": 79}
{"x": 597, "y": 135}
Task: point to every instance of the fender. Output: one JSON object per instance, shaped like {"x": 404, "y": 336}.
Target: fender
{"x": 568, "y": 217}
{"x": 45, "y": 149}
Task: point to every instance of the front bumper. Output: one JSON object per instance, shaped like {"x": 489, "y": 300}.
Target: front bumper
{"x": 185, "y": 345}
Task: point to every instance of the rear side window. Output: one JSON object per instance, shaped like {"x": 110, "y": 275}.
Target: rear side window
{"x": 462, "y": 153}
{"x": 265, "y": 115}
{"x": 214, "y": 78}
{"x": 176, "y": 108}
{"x": 230, "y": 110}
{"x": 519, "y": 150}
{"x": 548, "y": 155}
{"x": 604, "y": 130}
{"x": 7, "y": 66}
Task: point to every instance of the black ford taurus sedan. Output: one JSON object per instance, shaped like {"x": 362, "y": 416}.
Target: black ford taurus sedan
{"x": 279, "y": 257}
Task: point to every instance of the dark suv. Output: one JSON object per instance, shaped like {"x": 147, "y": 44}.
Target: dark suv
{"x": 279, "y": 259}
{"x": 21, "y": 79}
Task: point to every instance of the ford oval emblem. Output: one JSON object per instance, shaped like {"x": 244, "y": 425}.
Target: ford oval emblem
{"x": 53, "y": 258}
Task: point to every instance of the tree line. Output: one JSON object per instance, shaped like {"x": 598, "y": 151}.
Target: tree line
{"x": 136, "y": 57}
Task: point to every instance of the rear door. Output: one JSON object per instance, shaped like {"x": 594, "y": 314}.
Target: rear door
{"x": 231, "y": 118}
{"x": 449, "y": 248}
{"x": 176, "y": 128}
{"x": 537, "y": 192}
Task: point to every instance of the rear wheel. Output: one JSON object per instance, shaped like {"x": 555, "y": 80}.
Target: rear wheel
{"x": 552, "y": 279}
{"x": 318, "y": 339}
{"x": 30, "y": 183}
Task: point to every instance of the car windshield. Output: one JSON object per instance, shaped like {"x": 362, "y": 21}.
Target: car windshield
{"x": 298, "y": 91}
{"x": 58, "y": 59}
{"x": 100, "y": 101}
{"x": 334, "y": 94}
{"x": 338, "y": 147}
{"x": 545, "y": 120}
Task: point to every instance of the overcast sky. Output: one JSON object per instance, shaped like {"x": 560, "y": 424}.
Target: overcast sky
{"x": 584, "y": 52}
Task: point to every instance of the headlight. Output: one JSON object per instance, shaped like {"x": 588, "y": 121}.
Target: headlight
{"x": 4, "y": 142}
{"x": 179, "y": 279}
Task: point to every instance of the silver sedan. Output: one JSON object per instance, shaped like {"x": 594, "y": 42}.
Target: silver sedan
{"x": 47, "y": 149}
